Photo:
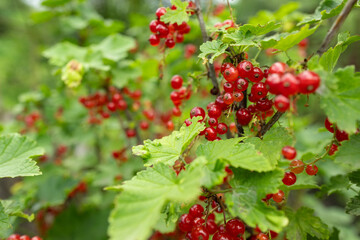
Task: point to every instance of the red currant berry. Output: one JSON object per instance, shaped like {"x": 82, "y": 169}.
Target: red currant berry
{"x": 289, "y": 178}
{"x": 185, "y": 29}
{"x": 111, "y": 106}
{"x": 162, "y": 30}
{"x": 278, "y": 197}
{"x": 217, "y": 207}
{"x": 263, "y": 105}
{"x": 289, "y": 152}
{"x": 228, "y": 87}
{"x": 252, "y": 109}
{"x": 130, "y": 133}
{"x": 14, "y": 237}
{"x": 175, "y": 96}
{"x": 144, "y": 125}
{"x": 36, "y": 238}
{"x": 221, "y": 128}
{"x": 341, "y": 135}
{"x": 308, "y": 82}
{"x": 214, "y": 111}
{"x": 221, "y": 103}
{"x": 176, "y": 82}
{"x": 199, "y": 233}
{"x": 211, "y": 226}
{"x": 222, "y": 235}
{"x": 176, "y": 111}
{"x": 197, "y": 112}
{"x": 303, "y": 43}
{"x": 231, "y": 74}
{"x": 149, "y": 114}
{"x": 245, "y": 69}
{"x": 262, "y": 236}
{"x": 257, "y": 75}
{"x": 179, "y": 38}
{"x": 185, "y": 223}
{"x": 153, "y": 25}
{"x": 329, "y": 126}
{"x": 266, "y": 72}
{"x": 170, "y": 43}
{"x": 243, "y": 116}
{"x": 24, "y": 237}
{"x": 160, "y": 11}
{"x": 154, "y": 40}
{"x": 282, "y": 103}
{"x": 259, "y": 90}
{"x": 297, "y": 166}
{"x": 187, "y": 122}
{"x": 198, "y": 221}
{"x": 170, "y": 125}
{"x": 196, "y": 210}
{"x": 235, "y": 227}
{"x": 228, "y": 98}
{"x": 225, "y": 66}
{"x": 241, "y": 84}
{"x": 210, "y": 133}
{"x": 272, "y": 83}
{"x": 121, "y": 105}
{"x": 253, "y": 98}
{"x": 238, "y": 96}
{"x": 279, "y": 68}
{"x": 333, "y": 149}
{"x": 213, "y": 122}
{"x": 311, "y": 169}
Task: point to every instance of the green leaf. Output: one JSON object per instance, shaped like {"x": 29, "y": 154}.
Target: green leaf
{"x": 62, "y": 53}
{"x": 258, "y": 30}
{"x": 115, "y": 47}
{"x": 272, "y": 143}
{"x": 295, "y": 37}
{"x": 212, "y": 49}
{"x": 336, "y": 184}
{"x": 303, "y": 181}
{"x": 4, "y": 221}
{"x": 355, "y": 177}
{"x": 329, "y": 59}
{"x": 325, "y": 10}
{"x": 341, "y": 98}
{"x": 43, "y": 16}
{"x": 263, "y": 17}
{"x": 353, "y": 206}
{"x": 245, "y": 200}
{"x": 177, "y": 15}
{"x": 16, "y": 152}
{"x": 303, "y": 222}
{"x": 14, "y": 208}
{"x": 168, "y": 149}
{"x": 144, "y": 197}
{"x": 54, "y": 3}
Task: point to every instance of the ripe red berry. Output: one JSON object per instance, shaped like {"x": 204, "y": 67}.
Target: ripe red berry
{"x": 289, "y": 85}
{"x": 231, "y": 74}
{"x": 278, "y": 197}
{"x": 198, "y": 221}
{"x": 263, "y": 105}
{"x": 303, "y": 43}
{"x": 199, "y": 233}
{"x": 185, "y": 29}
{"x": 144, "y": 125}
{"x": 176, "y": 111}
{"x": 121, "y": 105}
{"x": 228, "y": 87}
{"x": 262, "y": 236}
{"x": 272, "y": 83}
{"x": 228, "y": 98}
{"x": 238, "y": 96}
{"x": 297, "y": 166}
{"x": 221, "y": 128}
{"x": 259, "y": 90}
{"x": 225, "y": 66}
{"x": 210, "y": 133}
{"x": 160, "y": 11}
{"x": 214, "y": 111}
{"x": 170, "y": 125}
{"x": 241, "y": 84}
{"x": 111, "y": 106}
{"x": 279, "y": 68}
{"x": 221, "y": 103}
{"x": 14, "y": 237}
{"x": 176, "y": 82}
{"x": 130, "y": 133}
{"x": 222, "y": 235}
{"x": 217, "y": 207}
{"x": 282, "y": 103}
{"x": 170, "y": 43}
{"x": 311, "y": 169}
{"x": 289, "y": 178}
{"x": 243, "y": 116}
{"x": 213, "y": 122}
{"x": 196, "y": 211}
{"x": 24, "y": 237}
{"x": 187, "y": 122}
{"x": 153, "y": 25}
{"x": 185, "y": 223}
{"x": 179, "y": 38}
{"x": 333, "y": 149}
{"x": 36, "y": 238}
{"x": 154, "y": 40}
{"x": 211, "y": 226}
{"x": 235, "y": 227}
{"x": 175, "y": 97}
{"x": 245, "y": 69}
{"x": 257, "y": 75}
{"x": 308, "y": 82}
{"x": 289, "y": 152}
{"x": 197, "y": 111}
{"x": 162, "y": 30}
{"x": 329, "y": 126}
{"x": 341, "y": 135}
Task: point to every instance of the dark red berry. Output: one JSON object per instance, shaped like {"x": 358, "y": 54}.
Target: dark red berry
{"x": 154, "y": 40}
{"x": 153, "y": 25}
{"x": 198, "y": 221}
{"x": 211, "y": 226}
{"x": 231, "y": 74}
{"x": 282, "y": 103}
{"x": 341, "y": 135}
{"x": 185, "y": 223}
{"x": 160, "y": 11}
{"x": 272, "y": 83}
{"x": 288, "y": 152}
{"x": 329, "y": 126}
{"x": 279, "y": 68}
{"x": 222, "y": 235}
{"x": 221, "y": 103}
{"x": 289, "y": 178}
{"x": 245, "y": 69}
{"x": 243, "y": 116}
{"x": 170, "y": 43}
{"x": 111, "y": 106}
{"x": 228, "y": 87}
{"x": 176, "y": 82}
{"x": 308, "y": 82}
{"x": 259, "y": 90}
{"x": 333, "y": 149}
{"x": 179, "y": 38}
{"x": 197, "y": 112}
{"x": 225, "y": 66}
{"x": 235, "y": 227}
{"x": 199, "y": 233}
{"x": 214, "y": 111}
{"x": 257, "y": 75}
{"x": 144, "y": 125}
{"x": 210, "y": 133}
{"x": 162, "y": 30}
{"x": 176, "y": 111}
{"x": 213, "y": 122}
{"x": 196, "y": 210}
{"x": 221, "y": 128}
{"x": 311, "y": 169}
{"x": 241, "y": 84}
{"x": 278, "y": 197}
{"x": 130, "y": 133}
{"x": 289, "y": 85}
{"x": 263, "y": 105}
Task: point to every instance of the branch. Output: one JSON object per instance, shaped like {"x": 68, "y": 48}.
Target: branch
{"x": 336, "y": 26}
{"x": 271, "y": 123}
{"x": 211, "y": 69}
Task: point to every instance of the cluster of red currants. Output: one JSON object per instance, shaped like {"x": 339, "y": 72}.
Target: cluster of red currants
{"x": 95, "y": 104}
{"x": 196, "y": 227}
{"x": 179, "y": 94}
{"x": 172, "y": 33}
{"x": 29, "y": 120}
{"x": 227, "y": 23}
{"x": 284, "y": 83}
{"x": 339, "y": 135}
{"x": 22, "y": 237}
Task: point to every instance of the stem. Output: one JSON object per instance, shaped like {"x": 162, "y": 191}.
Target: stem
{"x": 211, "y": 69}
{"x": 230, "y": 9}
{"x": 336, "y": 26}
{"x": 271, "y": 123}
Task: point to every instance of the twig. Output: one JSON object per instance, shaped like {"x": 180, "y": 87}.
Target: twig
{"x": 211, "y": 69}
{"x": 336, "y": 26}
{"x": 267, "y": 127}
{"x": 230, "y": 9}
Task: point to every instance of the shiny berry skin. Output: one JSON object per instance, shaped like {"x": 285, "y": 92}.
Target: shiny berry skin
{"x": 24, "y": 237}
{"x": 153, "y": 25}
{"x": 288, "y": 152}
{"x": 176, "y": 82}
{"x": 144, "y": 125}
{"x": 221, "y": 128}
{"x": 238, "y": 96}
{"x": 185, "y": 29}
{"x": 262, "y": 236}
{"x": 179, "y": 38}
{"x": 221, "y": 103}
{"x": 329, "y": 126}
{"x": 130, "y": 133}
{"x": 311, "y": 169}
{"x": 121, "y": 105}
{"x": 252, "y": 109}
{"x": 225, "y": 66}
{"x": 228, "y": 87}
{"x": 231, "y": 74}
{"x": 170, "y": 125}
{"x": 176, "y": 112}
{"x": 185, "y": 223}
{"x": 341, "y": 135}
{"x": 278, "y": 197}
{"x": 272, "y": 83}
{"x": 333, "y": 149}
{"x": 211, "y": 226}
{"x": 228, "y": 98}
{"x": 235, "y": 227}
{"x": 175, "y": 96}
{"x": 259, "y": 90}
{"x": 36, "y": 238}
{"x": 289, "y": 178}
{"x": 14, "y": 237}
{"x": 266, "y": 72}
{"x": 160, "y": 11}
{"x": 245, "y": 69}
{"x": 222, "y": 235}
{"x": 214, "y": 111}
{"x": 199, "y": 233}
{"x": 308, "y": 82}
{"x": 289, "y": 85}
{"x": 282, "y": 103}
{"x": 162, "y": 30}
{"x": 263, "y": 105}
{"x": 213, "y": 122}
{"x": 278, "y": 67}
{"x": 210, "y": 133}
{"x": 198, "y": 221}
{"x": 154, "y": 40}
{"x": 241, "y": 84}
{"x": 243, "y": 116}
{"x": 170, "y": 43}
{"x": 196, "y": 211}
{"x": 297, "y": 166}
{"x": 196, "y": 112}
{"x": 253, "y": 98}
{"x": 257, "y": 75}
{"x": 111, "y": 106}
